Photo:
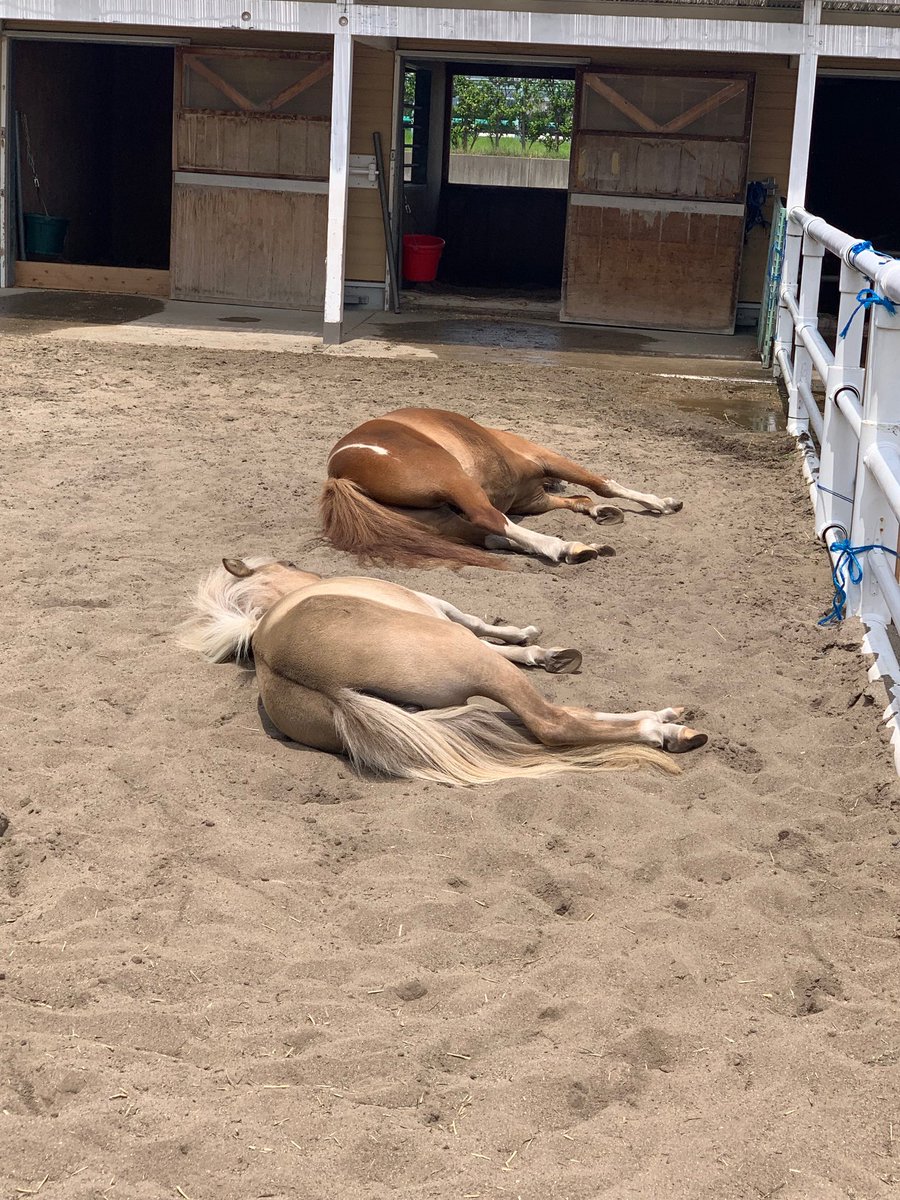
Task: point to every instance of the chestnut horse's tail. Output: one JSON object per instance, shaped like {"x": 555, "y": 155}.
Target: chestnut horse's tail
{"x": 467, "y": 745}
{"x": 356, "y": 523}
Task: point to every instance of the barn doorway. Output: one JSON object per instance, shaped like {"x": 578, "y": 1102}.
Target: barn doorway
{"x": 93, "y": 125}
{"x": 852, "y": 117}
{"x": 486, "y": 168}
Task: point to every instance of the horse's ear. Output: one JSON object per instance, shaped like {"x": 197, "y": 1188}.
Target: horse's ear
{"x": 237, "y": 566}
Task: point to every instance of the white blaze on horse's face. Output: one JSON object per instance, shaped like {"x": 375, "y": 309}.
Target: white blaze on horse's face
{"x": 357, "y": 446}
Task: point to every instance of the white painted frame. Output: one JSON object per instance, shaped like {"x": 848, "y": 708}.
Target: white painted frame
{"x": 669, "y": 33}
{"x": 338, "y": 181}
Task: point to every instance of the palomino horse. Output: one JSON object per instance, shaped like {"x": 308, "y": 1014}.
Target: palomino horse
{"x": 422, "y": 483}
{"x": 383, "y": 675}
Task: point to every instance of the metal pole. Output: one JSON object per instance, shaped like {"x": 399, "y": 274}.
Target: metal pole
{"x": 386, "y": 219}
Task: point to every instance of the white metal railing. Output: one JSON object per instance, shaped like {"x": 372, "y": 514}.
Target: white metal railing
{"x": 851, "y": 447}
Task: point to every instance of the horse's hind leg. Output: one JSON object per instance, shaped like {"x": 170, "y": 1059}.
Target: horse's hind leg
{"x": 328, "y": 643}
{"x": 498, "y": 532}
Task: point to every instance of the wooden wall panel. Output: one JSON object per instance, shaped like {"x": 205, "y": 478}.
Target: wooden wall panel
{"x": 770, "y": 158}
{"x": 640, "y": 268}
{"x": 645, "y": 166}
{"x": 252, "y": 144}
{"x": 372, "y": 105}
{"x": 249, "y": 246}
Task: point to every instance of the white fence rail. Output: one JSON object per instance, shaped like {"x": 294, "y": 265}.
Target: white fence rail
{"x": 851, "y": 446}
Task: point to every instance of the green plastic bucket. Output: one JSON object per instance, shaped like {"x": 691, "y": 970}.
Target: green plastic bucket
{"x": 44, "y": 236}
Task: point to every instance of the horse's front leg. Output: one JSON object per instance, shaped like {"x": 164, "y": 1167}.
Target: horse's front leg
{"x": 482, "y": 629}
{"x": 558, "y": 660}
{"x": 536, "y": 503}
{"x": 558, "y": 467}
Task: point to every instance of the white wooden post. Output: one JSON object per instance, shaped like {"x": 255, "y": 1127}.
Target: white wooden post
{"x": 810, "y": 283}
{"x": 843, "y": 413}
{"x": 878, "y": 472}
{"x": 6, "y": 207}
{"x": 796, "y": 192}
{"x": 338, "y": 179}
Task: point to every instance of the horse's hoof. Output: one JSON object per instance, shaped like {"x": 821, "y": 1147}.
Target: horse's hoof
{"x": 562, "y": 662}
{"x": 530, "y": 634}
{"x": 678, "y": 739}
{"x": 672, "y": 505}
{"x": 578, "y": 552}
{"x": 668, "y": 715}
{"x": 607, "y": 514}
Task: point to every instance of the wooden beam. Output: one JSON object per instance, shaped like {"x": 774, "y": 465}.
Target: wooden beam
{"x": 631, "y": 111}
{"x": 206, "y": 72}
{"x": 710, "y": 104}
{"x": 72, "y": 277}
{"x": 302, "y": 85}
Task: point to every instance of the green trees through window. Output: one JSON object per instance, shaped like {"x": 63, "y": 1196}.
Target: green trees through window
{"x": 493, "y": 114}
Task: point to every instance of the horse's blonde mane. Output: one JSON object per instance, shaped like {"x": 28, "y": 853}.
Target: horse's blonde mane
{"x": 227, "y": 610}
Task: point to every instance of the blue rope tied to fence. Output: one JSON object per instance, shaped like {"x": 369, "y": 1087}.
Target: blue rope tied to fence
{"x": 866, "y": 298}
{"x": 860, "y": 246}
{"x": 847, "y": 561}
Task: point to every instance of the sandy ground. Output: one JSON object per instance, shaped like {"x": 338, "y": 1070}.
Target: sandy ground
{"x": 231, "y": 969}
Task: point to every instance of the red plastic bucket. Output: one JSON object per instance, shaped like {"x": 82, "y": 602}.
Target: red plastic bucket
{"x": 421, "y": 255}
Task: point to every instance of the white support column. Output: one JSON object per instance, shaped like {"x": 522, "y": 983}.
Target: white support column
{"x": 338, "y": 179}
{"x": 800, "y": 139}
{"x": 6, "y": 205}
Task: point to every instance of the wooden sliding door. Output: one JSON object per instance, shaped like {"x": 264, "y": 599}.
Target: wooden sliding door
{"x": 250, "y": 197}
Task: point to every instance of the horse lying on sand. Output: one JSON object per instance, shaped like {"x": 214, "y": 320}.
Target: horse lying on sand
{"x": 383, "y": 674}
{"x": 421, "y": 483}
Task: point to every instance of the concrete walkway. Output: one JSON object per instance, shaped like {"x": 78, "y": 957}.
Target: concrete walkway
{"x": 449, "y": 334}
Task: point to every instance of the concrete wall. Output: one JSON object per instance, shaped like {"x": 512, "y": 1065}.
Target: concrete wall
{"x": 507, "y": 171}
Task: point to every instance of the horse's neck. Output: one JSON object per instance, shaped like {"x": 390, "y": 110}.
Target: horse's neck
{"x": 294, "y": 581}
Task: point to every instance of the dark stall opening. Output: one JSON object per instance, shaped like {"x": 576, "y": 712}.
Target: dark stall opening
{"x": 94, "y": 125}
{"x": 854, "y": 178}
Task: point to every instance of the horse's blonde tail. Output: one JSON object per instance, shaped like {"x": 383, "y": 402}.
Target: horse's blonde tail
{"x": 466, "y": 745}
{"x": 227, "y": 611}
{"x": 354, "y": 522}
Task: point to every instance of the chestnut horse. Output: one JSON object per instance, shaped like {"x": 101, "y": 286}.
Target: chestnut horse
{"x": 383, "y": 674}
{"x": 421, "y": 483}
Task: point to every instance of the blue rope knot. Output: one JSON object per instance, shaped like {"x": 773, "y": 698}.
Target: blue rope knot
{"x": 866, "y": 297}
{"x": 847, "y": 561}
{"x": 858, "y": 248}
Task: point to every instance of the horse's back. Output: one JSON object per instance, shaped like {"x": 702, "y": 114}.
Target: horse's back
{"x": 431, "y": 443}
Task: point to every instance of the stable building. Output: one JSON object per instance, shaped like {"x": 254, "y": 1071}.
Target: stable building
{"x": 205, "y": 153}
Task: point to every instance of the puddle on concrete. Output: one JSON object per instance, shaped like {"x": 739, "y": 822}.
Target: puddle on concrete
{"x": 83, "y": 308}
{"x": 538, "y": 338}
{"x": 240, "y": 320}
{"x": 747, "y": 412}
